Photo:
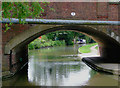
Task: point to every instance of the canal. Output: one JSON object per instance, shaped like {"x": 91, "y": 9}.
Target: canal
{"x": 59, "y": 66}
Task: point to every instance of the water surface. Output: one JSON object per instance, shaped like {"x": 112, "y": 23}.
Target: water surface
{"x": 59, "y": 66}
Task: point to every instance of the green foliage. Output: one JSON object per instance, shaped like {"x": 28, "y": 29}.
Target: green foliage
{"x": 68, "y": 36}
{"x": 44, "y": 37}
{"x": 52, "y": 9}
{"x": 22, "y": 10}
{"x": 96, "y": 47}
{"x": 86, "y": 48}
{"x": 41, "y": 43}
{"x": 51, "y": 35}
{"x": 89, "y": 40}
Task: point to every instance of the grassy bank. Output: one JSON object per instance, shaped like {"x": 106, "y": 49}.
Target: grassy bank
{"x": 96, "y": 47}
{"x": 86, "y": 48}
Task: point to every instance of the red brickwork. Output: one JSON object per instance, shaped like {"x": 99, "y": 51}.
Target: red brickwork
{"x": 15, "y": 30}
{"x": 6, "y": 37}
{"x": 83, "y": 10}
{"x": 113, "y": 12}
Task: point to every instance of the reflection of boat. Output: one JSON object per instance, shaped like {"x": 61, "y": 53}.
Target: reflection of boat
{"x": 81, "y": 41}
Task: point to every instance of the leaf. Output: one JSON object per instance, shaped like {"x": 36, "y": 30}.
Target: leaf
{"x": 22, "y": 10}
{"x": 10, "y": 23}
{"x": 52, "y": 9}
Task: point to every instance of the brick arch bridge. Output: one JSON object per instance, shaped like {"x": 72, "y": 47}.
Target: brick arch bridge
{"x": 102, "y": 26}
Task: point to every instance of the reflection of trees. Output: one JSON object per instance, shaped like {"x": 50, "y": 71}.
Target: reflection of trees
{"x": 51, "y": 73}
{"x": 53, "y": 51}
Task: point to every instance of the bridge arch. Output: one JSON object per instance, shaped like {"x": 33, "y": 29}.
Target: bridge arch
{"x": 109, "y": 46}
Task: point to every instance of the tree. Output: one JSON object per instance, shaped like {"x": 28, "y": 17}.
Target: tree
{"x": 68, "y": 36}
{"x": 22, "y": 10}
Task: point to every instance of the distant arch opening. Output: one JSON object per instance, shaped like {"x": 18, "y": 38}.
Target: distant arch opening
{"x": 108, "y": 46}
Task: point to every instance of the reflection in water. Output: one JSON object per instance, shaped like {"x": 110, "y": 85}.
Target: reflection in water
{"x": 62, "y": 73}
{"x": 58, "y": 73}
{"x": 43, "y": 71}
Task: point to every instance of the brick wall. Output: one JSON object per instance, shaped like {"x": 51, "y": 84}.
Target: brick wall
{"x": 83, "y": 10}
{"x": 113, "y": 12}
{"x": 6, "y": 37}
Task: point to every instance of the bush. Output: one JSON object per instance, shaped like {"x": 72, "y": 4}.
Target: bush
{"x": 31, "y": 46}
{"x": 40, "y": 44}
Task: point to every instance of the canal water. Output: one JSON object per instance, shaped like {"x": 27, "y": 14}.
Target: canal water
{"x": 59, "y": 66}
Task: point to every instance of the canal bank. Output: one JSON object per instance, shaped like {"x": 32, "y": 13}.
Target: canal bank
{"x": 98, "y": 63}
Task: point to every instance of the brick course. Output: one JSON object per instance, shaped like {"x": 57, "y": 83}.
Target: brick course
{"x": 83, "y": 10}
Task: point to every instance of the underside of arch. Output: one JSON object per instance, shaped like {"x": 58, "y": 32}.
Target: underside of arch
{"x": 109, "y": 46}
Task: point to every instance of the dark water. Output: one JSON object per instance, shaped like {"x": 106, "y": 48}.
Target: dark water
{"x": 58, "y": 66}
